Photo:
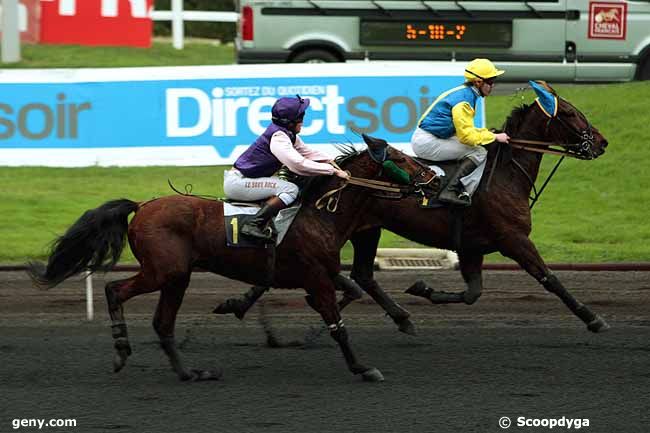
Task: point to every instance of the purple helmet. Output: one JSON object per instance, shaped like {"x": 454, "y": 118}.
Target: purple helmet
{"x": 289, "y": 110}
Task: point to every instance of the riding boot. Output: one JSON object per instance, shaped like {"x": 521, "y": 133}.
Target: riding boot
{"x": 256, "y": 227}
{"x": 454, "y": 192}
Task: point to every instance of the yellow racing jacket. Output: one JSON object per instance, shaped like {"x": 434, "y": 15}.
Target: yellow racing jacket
{"x": 452, "y": 113}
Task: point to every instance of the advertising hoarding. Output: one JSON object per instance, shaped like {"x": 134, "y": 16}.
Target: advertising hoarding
{"x": 205, "y": 115}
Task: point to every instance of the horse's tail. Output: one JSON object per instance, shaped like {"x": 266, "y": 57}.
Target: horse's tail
{"x": 94, "y": 242}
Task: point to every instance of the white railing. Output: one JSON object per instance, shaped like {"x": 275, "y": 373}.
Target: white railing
{"x": 10, "y": 32}
{"x": 177, "y": 16}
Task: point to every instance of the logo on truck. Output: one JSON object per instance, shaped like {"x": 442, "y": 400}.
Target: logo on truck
{"x": 607, "y": 20}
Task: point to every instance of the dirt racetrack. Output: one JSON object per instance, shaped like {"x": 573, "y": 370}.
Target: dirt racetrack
{"x": 518, "y": 352}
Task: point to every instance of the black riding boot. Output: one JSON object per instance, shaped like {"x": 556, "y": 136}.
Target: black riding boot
{"x": 454, "y": 192}
{"x": 256, "y": 227}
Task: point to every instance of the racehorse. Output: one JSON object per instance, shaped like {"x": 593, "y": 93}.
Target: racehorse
{"x": 499, "y": 218}
{"x": 170, "y": 236}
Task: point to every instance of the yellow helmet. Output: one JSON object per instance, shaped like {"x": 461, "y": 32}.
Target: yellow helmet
{"x": 481, "y": 69}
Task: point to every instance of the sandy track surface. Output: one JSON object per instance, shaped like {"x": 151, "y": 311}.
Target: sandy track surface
{"x": 518, "y": 352}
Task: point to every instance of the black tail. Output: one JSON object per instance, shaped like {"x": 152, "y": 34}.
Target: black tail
{"x": 94, "y": 242}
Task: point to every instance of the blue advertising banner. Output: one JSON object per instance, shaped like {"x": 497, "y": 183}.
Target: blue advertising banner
{"x": 205, "y": 116}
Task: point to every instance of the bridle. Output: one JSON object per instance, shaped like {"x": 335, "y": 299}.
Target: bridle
{"x": 385, "y": 190}
{"x": 579, "y": 150}
{"x": 582, "y": 149}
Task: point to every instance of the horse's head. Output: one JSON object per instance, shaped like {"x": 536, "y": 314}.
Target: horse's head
{"x": 566, "y": 125}
{"x": 396, "y": 166}
{"x": 383, "y": 171}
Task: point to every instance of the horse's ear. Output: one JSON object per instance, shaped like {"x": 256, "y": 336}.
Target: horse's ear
{"x": 544, "y": 85}
{"x": 377, "y": 148}
{"x": 546, "y": 97}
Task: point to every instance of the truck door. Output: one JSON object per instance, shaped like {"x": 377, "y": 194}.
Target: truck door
{"x": 539, "y": 41}
{"x": 605, "y": 37}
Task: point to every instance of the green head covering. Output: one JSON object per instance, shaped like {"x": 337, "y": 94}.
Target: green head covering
{"x": 399, "y": 175}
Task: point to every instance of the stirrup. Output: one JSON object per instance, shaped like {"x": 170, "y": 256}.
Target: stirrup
{"x": 452, "y": 197}
{"x": 464, "y": 196}
{"x": 265, "y": 234}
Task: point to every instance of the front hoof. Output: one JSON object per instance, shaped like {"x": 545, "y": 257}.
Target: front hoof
{"x": 372, "y": 375}
{"x": 598, "y": 325}
{"x": 407, "y": 327}
{"x": 232, "y": 306}
{"x": 119, "y": 361}
{"x": 201, "y": 375}
{"x": 419, "y": 288}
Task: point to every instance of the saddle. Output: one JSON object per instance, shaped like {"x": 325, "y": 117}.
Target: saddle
{"x": 445, "y": 170}
{"x": 237, "y": 213}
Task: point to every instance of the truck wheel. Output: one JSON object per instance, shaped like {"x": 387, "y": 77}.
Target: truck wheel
{"x": 644, "y": 69}
{"x": 315, "y": 56}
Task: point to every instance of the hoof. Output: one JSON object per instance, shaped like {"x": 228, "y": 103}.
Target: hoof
{"x": 372, "y": 375}
{"x": 598, "y": 325}
{"x": 233, "y": 306}
{"x": 273, "y": 342}
{"x": 119, "y": 362}
{"x": 407, "y": 327}
{"x": 419, "y": 288}
{"x": 446, "y": 298}
{"x": 201, "y": 375}
{"x": 122, "y": 352}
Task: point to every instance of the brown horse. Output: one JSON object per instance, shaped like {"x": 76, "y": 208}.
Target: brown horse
{"x": 498, "y": 220}
{"x": 172, "y": 235}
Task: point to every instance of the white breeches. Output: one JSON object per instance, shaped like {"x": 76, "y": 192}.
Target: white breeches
{"x": 238, "y": 187}
{"x": 428, "y": 146}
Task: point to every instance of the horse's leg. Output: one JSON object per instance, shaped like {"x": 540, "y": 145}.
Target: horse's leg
{"x": 322, "y": 298}
{"x": 239, "y": 306}
{"x": 365, "y": 245}
{"x": 117, "y": 293}
{"x": 171, "y": 297}
{"x": 523, "y": 251}
{"x": 351, "y": 290}
{"x": 470, "y": 268}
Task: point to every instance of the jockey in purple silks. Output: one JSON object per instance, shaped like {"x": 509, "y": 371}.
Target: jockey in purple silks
{"x": 252, "y": 177}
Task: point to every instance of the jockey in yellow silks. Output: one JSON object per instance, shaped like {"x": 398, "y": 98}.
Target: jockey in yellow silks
{"x": 446, "y": 131}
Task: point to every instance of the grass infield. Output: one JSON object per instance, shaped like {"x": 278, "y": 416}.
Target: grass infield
{"x": 592, "y": 211}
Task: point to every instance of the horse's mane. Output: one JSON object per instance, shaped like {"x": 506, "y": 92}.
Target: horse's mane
{"x": 347, "y": 152}
{"x": 516, "y": 119}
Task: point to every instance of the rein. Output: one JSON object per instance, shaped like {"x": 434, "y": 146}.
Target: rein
{"x": 543, "y": 147}
{"x": 538, "y": 194}
{"x": 332, "y": 197}
{"x": 581, "y": 150}
{"x": 536, "y": 146}
{"x": 330, "y": 200}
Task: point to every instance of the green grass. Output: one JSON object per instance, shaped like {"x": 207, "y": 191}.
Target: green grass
{"x": 592, "y": 211}
{"x": 162, "y": 53}
{"x": 595, "y": 211}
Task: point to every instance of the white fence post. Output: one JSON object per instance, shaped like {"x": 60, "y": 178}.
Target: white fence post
{"x": 10, "y": 32}
{"x": 90, "y": 309}
{"x": 178, "y": 31}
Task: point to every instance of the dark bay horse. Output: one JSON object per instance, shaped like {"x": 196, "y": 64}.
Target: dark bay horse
{"x": 172, "y": 235}
{"x": 499, "y": 218}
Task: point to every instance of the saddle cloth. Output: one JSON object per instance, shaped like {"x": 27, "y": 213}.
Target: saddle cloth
{"x": 236, "y": 214}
